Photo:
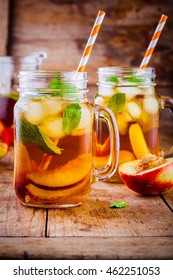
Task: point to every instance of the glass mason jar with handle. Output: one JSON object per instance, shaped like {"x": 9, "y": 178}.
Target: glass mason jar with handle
{"x": 54, "y": 139}
{"x": 130, "y": 94}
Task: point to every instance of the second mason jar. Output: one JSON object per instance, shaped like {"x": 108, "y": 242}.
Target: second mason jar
{"x": 130, "y": 94}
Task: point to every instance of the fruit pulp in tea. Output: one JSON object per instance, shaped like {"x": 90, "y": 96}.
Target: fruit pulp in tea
{"x": 53, "y": 151}
{"x": 136, "y": 111}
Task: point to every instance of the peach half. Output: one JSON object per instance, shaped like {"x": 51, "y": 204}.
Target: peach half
{"x": 150, "y": 181}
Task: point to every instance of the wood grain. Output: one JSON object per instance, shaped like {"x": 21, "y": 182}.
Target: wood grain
{"x": 143, "y": 230}
{"x": 168, "y": 197}
{"x": 62, "y": 28}
{"x": 94, "y": 248}
{"x": 145, "y": 215}
{"x": 4, "y": 18}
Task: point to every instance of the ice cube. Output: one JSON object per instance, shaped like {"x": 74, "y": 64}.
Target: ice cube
{"x": 150, "y": 105}
{"x": 99, "y": 100}
{"x": 130, "y": 91}
{"x": 134, "y": 109}
{"x": 53, "y": 106}
{"x": 106, "y": 91}
{"x": 52, "y": 128}
{"x": 34, "y": 112}
{"x": 85, "y": 122}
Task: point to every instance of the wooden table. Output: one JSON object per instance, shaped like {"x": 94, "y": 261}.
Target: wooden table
{"x": 143, "y": 230}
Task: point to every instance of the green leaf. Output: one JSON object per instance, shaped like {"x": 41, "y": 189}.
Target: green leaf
{"x": 118, "y": 204}
{"x": 134, "y": 79}
{"x": 71, "y": 118}
{"x": 63, "y": 89}
{"x": 30, "y": 133}
{"x": 113, "y": 79}
{"x": 12, "y": 95}
{"x": 117, "y": 102}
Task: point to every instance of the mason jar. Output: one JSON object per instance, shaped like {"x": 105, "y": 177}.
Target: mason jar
{"x": 130, "y": 94}
{"x": 54, "y": 148}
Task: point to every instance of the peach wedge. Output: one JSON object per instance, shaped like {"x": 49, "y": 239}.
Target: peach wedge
{"x": 150, "y": 181}
{"x": 70, "y": 173}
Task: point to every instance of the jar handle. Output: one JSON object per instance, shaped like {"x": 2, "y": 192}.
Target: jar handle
{"x": 111, "y": 166}
{"x": 167, "y": 103}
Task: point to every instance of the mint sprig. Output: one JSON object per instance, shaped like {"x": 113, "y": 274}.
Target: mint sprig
{"x": 134, "y": 79}
{"x": 71, "y": 118}
{"x": 118, "y": 204}
{"x": 113, "y": 79}
{"x": 63, "y": 89}
{"x": 117, "y": 102}
{"x": 30, "y": 133}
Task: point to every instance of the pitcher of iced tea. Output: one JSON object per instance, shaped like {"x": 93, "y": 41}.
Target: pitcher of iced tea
{"x": 54, "y": 139}
{"x": 130, "y": 94}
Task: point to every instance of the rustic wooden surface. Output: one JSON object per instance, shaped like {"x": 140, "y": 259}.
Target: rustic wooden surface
{"x": 62, "y": 28}
{"x": 143, "y": 230}
{"x": 4, "y": 15}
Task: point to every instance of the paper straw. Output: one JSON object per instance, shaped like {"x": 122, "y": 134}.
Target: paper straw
{"x": 153, "y": 42}
{"x": 91, "y": 41}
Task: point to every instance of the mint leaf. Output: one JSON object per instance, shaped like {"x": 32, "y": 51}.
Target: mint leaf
{"x": 118, "y": 204}
{"x": 30, "y": 133}
{"x": 71, "y": 118}
{"x": 113, "y": 79}
{"x": 63, "y": 89}
{"x": 12, "y": 95}
{"x": 134, "y": 79}
{"x": 117, "y": 102}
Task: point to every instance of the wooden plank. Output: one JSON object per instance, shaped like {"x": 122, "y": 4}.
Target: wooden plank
{"x": 168, "y": 197}
{"x": 145, "y": 215}
{"x": 4, "y": 14}
{"x": 15, "y": 219}
{"x": 87, "y": 248}
{"x": 62, "y": 29}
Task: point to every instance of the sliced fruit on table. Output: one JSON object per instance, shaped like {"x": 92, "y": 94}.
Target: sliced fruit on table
{"x": 137, "y": 141}
{"x": 149, "y": 175}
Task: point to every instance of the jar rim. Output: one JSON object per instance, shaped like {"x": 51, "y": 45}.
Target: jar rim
{"x": 116, "y": 69}
{"x": 53, "y": 73}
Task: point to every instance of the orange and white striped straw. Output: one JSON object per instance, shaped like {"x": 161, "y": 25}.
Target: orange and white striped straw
{"x": 91, "y": 41}
{"x": 153, "y": 42}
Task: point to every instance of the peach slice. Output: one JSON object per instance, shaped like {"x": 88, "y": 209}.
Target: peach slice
{"x": 54, "y": 194}
{"x": 137, "y": 141}
{"x": 3, "y": 149}
{"x": 2, "y": 128}
{"x": 150, "y": 181}
{"x": 22, "y": 158}
{"x": 125, "y": 156}
{"x": 68, "y": 174}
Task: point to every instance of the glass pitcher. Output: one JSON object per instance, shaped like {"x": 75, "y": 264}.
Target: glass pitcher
{"x": 54, "y": 139}
{"x": 130, "y": 94}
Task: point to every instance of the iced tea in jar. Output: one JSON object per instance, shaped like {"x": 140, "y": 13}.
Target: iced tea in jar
{"x": 130, "y": 94}
{"x": 54, "y": 139}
